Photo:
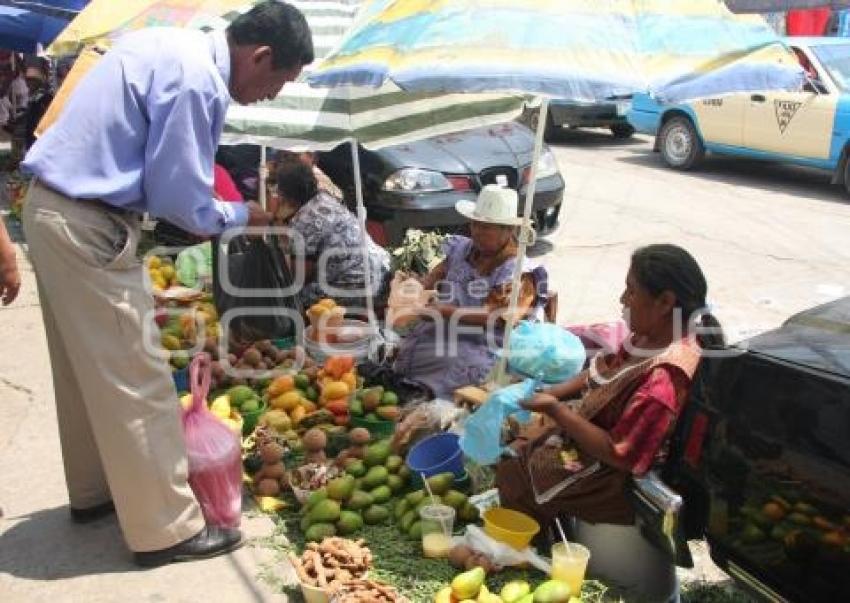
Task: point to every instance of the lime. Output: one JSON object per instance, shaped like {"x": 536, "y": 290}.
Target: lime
{"x": 302, "y": 381}
{"x": 250, "y": 405}
{"x": 311, "y": 394}
{"x": 389, "y": 399}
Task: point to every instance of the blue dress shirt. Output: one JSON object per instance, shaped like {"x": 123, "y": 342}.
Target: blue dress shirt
{"x": 141, "y": 129}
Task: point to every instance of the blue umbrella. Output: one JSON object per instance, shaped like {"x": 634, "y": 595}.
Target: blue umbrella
{"x": 24, "y": 24}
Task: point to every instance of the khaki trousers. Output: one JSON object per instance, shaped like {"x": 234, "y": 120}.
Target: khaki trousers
{"x": 117, "y": 408}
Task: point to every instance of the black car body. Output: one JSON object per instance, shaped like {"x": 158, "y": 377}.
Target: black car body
{"x": 764, "y": 461}
{"x": 611, "y": 115}
{"x": 457, "y": 166}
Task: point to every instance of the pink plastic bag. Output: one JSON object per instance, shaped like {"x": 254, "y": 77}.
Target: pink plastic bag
{"x": 605, "y": 337}
{"x": 214, "y": 451}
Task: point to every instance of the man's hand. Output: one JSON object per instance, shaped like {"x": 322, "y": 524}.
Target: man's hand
{"x": 10, "y": 278}
{"x": 542, "y": 403}
{"x": 257, "y": 216}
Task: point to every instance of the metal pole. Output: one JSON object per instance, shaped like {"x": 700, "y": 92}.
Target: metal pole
{"x": 500, "y": 375}
{"x": 361, "y": 215}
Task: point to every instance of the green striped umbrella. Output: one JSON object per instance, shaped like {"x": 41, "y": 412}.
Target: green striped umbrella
{"x": 307, "y": 118}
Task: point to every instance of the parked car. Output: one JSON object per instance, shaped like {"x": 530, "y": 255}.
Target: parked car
{"x": 809, "y": 127}
{"x": 576, "y": 114}
{"x": 762, "y": 457}
{"x": 416, "y": 185}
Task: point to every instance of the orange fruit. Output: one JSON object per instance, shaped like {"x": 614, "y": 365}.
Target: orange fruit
{"x": 773, "y": 511}
{"x": 281, "y": 385}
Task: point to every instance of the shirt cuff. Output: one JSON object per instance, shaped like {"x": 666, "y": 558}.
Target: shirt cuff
{"x": 233, "y": 214}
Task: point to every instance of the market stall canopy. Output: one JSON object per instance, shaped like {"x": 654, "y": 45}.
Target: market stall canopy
{"x": 26, "y": 24}
{"x": 302, "y": 117}
{"x": 768, "y": 6}
{"x": 572, "y": 49}
{"x": 307, "y": 118}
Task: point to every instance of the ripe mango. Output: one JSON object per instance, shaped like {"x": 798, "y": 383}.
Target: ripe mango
{"x": 468, "y": 584}
{"x": 552, "y": 591}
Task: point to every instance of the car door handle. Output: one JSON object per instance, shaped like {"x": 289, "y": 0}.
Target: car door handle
{"x": 758, "y": 98}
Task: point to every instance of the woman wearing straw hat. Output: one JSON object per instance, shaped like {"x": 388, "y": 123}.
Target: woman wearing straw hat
{"x": 454, "y": 344}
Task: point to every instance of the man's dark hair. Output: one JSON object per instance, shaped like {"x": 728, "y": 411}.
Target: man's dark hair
{"x": 280, "y": 26}
{"x": 297, "y": 183}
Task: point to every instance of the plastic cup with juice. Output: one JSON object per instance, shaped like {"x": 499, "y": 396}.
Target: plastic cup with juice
{"x": 570, "y": 565}
{"x": 437, "y": 526}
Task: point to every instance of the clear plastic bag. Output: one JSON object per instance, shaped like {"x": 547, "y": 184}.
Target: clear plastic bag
{"x": 545, "y": 351}
{"x": 498, "y": 553}
{"x": 482, "y": 432}
{"x": 214, "y": 451}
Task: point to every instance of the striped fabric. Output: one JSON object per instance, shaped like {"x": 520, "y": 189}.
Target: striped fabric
{"x": 302, "y": 117}
{"x": 571, "y": 49}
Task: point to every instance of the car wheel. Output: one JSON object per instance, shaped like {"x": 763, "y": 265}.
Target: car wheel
{"x": 622, "y": 130}
{"x": 680, "y": 145}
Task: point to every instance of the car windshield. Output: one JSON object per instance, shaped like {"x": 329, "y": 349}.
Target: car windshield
{"x": 836, "y": 60}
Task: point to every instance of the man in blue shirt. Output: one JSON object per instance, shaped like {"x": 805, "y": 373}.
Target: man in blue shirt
{"x": 139, "y": 134}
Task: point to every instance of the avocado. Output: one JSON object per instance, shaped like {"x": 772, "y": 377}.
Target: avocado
{"x": 315, "y": 497}
{"x": 359, "y": 500}
{"x": 324, "y": 511}
{"x": 357, "y": 469}
{"x": 376, "y": 476}
{"x": 340, "y": 489}
{"x": 394, "y": 463}
{"x": 401, "y": 507}
{"x": 376, "y": 514}
{"x": 319, "y": 531}
{"x": 407, "y": 520}
{"x": 381, "y": 494}
{"x": 377, "y": 453}
{"x": 349, "y": 522}
{"x": 454, "y": 499}
{"x": 395, "y": 483}
{"x": 415, "y": 531}
{"x": 441, "y": 483}
{"x": 414, "y": 497}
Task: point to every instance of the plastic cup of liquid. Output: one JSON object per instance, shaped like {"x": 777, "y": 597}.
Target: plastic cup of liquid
{"x": 570, "y": 565}
{"x": 437, "y": 525}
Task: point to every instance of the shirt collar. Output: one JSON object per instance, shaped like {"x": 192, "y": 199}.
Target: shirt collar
{"x": 221, "y": 54}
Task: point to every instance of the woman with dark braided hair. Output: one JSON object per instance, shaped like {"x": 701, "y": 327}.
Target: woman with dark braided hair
{"x": 628, "y": 402}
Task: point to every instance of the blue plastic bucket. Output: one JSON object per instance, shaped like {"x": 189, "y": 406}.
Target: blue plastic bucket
{"x": 439, "y": 453}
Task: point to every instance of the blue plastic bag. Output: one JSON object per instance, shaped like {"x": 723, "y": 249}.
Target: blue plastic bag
{"x": 481, "y": 440}
{"x": 545, "y": 351}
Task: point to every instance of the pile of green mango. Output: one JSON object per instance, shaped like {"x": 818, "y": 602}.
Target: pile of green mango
{"x": 406, "y": 509}
{"x": 373, "y": 490}
{"x": 358, "y": 497}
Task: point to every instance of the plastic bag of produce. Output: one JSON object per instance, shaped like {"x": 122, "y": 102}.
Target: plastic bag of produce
{"x": 407, "y": 298}
{"x": 194, "y": 265}
{"x": 545, "y": 351}
{"x": 482, "y": 432}
{"x": 214, "y": 452}
{"x": 254, "y": 266}
{"x": 498, "y": 553}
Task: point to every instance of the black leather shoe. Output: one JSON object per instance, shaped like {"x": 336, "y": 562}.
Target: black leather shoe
{"x": 94, "y": 513}
{"x": 207, "y": 543}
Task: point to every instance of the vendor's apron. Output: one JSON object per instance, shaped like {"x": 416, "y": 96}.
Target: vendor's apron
{"x": 537, "y": 482}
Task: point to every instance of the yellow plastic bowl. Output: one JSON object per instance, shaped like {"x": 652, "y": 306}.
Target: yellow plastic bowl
{"x": 511, "y": 527}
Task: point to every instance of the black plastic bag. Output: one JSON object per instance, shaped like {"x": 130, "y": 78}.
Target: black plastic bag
{"x": 254, "y": 263}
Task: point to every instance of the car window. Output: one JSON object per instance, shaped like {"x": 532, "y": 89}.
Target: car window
{"x": 835, "y": 58}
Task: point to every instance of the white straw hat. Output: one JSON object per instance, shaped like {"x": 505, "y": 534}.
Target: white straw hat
{"x": 495, "y": 205}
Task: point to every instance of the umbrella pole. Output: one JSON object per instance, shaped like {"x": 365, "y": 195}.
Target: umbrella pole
{"x": 525, "y": 238}
{"x": 361, "y": 215}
